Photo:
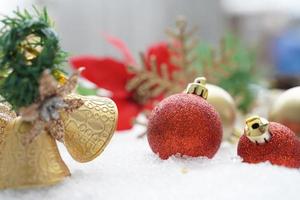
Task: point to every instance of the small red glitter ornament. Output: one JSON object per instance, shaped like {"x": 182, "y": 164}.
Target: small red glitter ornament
{"x": 269, "y": 141}
{"x": 185, "y": 124}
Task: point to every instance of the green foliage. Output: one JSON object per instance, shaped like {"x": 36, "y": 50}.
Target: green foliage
{"x": 232, "y": 67}
{"x": 28, "y": 46}
{"x": 86, "y": 91}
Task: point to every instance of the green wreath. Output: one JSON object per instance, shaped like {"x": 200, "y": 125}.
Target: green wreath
{"x": 28, "y": 46}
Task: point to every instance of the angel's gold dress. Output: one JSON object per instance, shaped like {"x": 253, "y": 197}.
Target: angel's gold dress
{"x": 87, "y": 131}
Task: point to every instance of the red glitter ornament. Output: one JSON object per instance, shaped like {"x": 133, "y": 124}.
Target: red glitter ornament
{"x": 269, "y": 141}
{"x": 185, "y": 124}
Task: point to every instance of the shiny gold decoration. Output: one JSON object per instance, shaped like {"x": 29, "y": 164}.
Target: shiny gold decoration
{"x": 257, "y": 129}
{"x": 29, "y": 156}
{"x": 89, "y": 128}
{"x": 198, "y": 87}
{"x": 5, "y": 109}
{"x": 59, "y": 76}
{"x": 286, "y": 109}
{"x": 36, "y": 164}
{"x": 87, "y": 132}
{"x": 6, "y": 115}
{"x": 225, "y": 106}
{"x": 31, "y": 46}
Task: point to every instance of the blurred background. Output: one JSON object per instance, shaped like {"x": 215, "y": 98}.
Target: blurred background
{"x": 271, "y": 27}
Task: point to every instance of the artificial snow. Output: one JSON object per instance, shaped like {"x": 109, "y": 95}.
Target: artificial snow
{"x": 128, "y": 169}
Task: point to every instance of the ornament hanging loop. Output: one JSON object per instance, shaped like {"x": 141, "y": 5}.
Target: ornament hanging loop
{"x": 257, "y": 129}
{"x": 198, "y": 87}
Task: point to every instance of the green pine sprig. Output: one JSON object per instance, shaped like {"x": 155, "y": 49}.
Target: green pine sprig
{"x": 20, "y": 74}
{"x": 232, "y": 67}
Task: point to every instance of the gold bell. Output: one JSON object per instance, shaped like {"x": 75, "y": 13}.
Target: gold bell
{"x": 87, "y": 132}
{"x": 89, "y": 129}
{"x": 225, "y": 106}
{"x": 286, "y": 109}
{"x": 37, "y": 164}
{"x": 256, "y": 130}
{"x": 6, "y": 115}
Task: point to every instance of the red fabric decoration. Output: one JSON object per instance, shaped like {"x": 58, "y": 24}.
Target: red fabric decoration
{"x": 111, "y": 74}
{"x": 184, "y": 124}
{"x": 106, "y": 73}
{"x": 282, "y": 149}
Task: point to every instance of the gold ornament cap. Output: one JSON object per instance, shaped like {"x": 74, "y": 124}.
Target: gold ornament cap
{"x": 256, "y": 130}
{"x": 198, "y": 87}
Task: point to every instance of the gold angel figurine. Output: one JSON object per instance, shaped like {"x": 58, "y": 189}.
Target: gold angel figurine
{"x": 42, "y": 107}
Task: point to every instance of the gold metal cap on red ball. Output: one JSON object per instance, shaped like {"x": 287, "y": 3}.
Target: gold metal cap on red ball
{"x": 257, "y": 129}
{"x": 198, "y": 87}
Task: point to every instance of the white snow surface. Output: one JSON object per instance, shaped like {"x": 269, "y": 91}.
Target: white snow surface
{"x": 128, "y": 169}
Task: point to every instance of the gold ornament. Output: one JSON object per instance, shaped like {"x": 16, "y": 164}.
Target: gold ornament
{"x": 31, "y": 47}
{"x": 225, "y": 106}
{"x": 87, "y": 132}
{"x": 6, "y": 115}
{"x": 29, "y": 156}
{"x": 286, "y": 109}
{"x": 89, "y": 129}
{"x": 36, "y": 164}
{"x": 28, "y": 152}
